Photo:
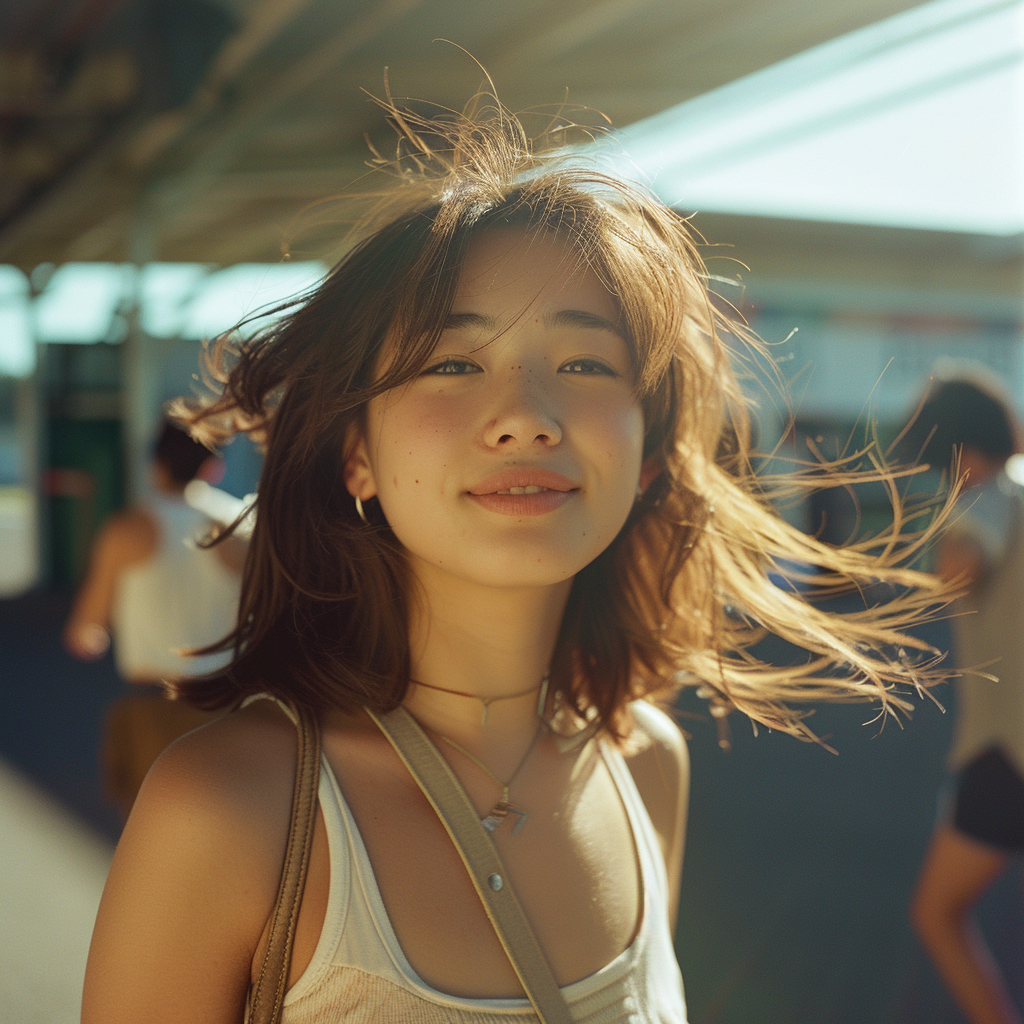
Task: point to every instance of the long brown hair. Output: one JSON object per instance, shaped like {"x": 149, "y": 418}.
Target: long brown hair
{"x": 684, "y": 590}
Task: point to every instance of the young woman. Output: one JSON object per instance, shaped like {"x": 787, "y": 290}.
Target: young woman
{"x": 506, "y": 486}
{"x": 965, "y": 414}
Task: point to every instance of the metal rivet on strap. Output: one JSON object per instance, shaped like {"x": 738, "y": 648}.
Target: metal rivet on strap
{"x": 496, "y": 882}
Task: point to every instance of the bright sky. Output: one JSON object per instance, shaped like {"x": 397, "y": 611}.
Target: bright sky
{"x": 916, "y": 121}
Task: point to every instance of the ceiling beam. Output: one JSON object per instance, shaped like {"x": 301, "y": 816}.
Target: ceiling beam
{"x": 142, "y": 138}
{"x": 266, "y": 21}
{"x": 234, "y": 129}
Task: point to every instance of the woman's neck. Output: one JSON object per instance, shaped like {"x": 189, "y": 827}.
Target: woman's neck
{"x": 493, "y": 643}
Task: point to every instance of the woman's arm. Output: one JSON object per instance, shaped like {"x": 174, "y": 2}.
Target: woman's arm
{"x": 194, "y": 877}
{"x": 125, "y": 540}
{"x": 661, "y": 770}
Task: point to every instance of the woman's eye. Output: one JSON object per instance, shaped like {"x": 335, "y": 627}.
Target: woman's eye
{"x": 587, "y": 366}
{"x": 453, "y": 366}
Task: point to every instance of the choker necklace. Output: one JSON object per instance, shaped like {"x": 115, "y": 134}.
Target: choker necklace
{"x": 488, "y": 701}
{"x": 503, "y": 808}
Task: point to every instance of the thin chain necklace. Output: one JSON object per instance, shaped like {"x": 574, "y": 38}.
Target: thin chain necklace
{"x": 503, "y": 808}
{"x": 488, "y": 701}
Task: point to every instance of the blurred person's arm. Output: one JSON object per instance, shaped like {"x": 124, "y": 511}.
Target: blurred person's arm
{"x": 961, "y": 558}
{"x": 126, "y": 539}
{"x": 195, "y": 877}
{"x": 980, "y": 534}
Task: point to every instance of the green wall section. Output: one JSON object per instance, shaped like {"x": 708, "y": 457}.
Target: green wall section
{"x": 85, "y": 481}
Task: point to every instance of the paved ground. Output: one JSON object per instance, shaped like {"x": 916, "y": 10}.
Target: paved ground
{"x": 52, "y": 870}
{"x": 799, "y": 863}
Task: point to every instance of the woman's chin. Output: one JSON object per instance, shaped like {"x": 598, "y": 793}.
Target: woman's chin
{"x": 514, "y": 570}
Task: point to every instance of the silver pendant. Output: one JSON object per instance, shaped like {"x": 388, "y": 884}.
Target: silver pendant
{"x": 499, "y": 813}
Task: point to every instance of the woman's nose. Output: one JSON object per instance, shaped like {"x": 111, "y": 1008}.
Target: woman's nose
{"x": 524, "y": 418}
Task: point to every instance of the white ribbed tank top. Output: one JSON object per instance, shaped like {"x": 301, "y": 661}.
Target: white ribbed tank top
{"x": 360, "y": 975}
{"x": 180, "y": 597}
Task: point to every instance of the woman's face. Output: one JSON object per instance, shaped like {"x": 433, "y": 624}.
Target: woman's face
{"x": 513, "y": 459}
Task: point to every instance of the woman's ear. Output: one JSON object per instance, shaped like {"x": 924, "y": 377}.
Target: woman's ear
{"x": 358, "y": 473}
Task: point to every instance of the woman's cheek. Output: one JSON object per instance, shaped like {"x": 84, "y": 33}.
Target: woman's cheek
{"x": 416, "y": 447}
{"x": 619, "y": 433}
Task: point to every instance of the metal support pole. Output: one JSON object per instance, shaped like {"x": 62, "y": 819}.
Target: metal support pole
{"x": 140, "y": 387}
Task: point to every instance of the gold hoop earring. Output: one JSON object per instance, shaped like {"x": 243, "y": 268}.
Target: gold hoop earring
{"x": 360, "y": 512}
{"x": 542, "y": 697}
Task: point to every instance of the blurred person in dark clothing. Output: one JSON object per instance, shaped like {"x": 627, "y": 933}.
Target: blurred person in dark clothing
{"x": 158, "y": 594}
{"x": 983, "y": 825}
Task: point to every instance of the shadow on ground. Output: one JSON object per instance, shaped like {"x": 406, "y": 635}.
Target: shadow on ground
{"x": 54, "y": 707}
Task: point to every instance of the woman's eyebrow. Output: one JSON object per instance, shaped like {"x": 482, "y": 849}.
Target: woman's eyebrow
{"x": 455, "y": 321}
{"x": 581, "y": 318}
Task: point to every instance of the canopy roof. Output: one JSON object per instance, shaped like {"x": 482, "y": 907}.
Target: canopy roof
{"x": 916, "y": 121}
{"x": 199, "y": 135}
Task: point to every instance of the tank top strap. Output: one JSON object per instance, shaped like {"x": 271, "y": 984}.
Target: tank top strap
{"x": 339, "y": 843}
{"x": 339, "y": 896}
{"x": 253, "y": 697}
{"x": 654, "y": 876}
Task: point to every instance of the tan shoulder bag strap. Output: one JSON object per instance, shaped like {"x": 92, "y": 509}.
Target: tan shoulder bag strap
{"x": 445, "y": 793}
{"x": 266, "y": 997}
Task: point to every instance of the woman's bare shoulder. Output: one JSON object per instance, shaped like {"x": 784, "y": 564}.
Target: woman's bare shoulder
{"x": 659, "y": 762}
{"x": 660, "y": 765}
{"x": 195, "y": 874}
{"x": 656, "y": 735}
{"x": 225, "y": 786}
{"x": 238, "y": 761}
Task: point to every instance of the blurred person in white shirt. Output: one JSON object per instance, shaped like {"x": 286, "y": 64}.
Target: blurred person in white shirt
{"x": 158, "y": 594}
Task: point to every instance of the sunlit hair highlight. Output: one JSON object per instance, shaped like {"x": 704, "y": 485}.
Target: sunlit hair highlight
{"x": 681, "y": 594}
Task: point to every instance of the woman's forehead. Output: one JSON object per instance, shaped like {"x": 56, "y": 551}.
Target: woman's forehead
{"x": 521, "y": 267}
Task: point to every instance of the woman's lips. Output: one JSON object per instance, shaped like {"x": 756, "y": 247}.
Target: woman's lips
{"x": 523, "y": 491}
{"x": 536, "y": 504}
